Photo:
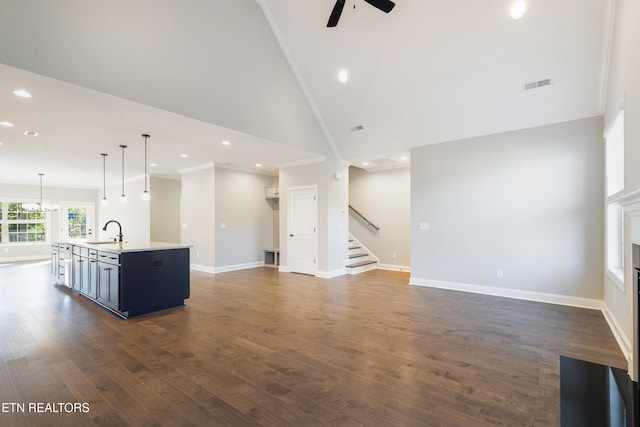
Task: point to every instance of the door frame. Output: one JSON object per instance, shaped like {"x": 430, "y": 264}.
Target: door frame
{"x": 290, "y": 191}
{"x": 63, "y": 218}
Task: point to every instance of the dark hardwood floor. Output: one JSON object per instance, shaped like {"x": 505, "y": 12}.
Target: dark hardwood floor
{"x": 258, "y": 347}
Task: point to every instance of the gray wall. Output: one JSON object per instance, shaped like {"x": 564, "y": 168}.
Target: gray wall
{"x": 165, "y": 210}
{"x": 244, "y": 218}
{"x": 197, "y": 216}
{"x": 384, "y": 198}
{"x": 528, "y": 202}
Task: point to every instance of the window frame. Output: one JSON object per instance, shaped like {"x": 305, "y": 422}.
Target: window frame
{"x": 614, "y": 212}
{"x": 6, "y": 224}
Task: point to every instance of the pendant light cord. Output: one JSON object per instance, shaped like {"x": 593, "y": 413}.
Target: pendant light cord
{"x": 145, "y": 136}
{"x": 104, "y": 176}
{"x": 41, "y": 174}
{"x": 123, "y": 147}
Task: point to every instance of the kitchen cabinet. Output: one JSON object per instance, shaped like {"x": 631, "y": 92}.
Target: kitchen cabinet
{"x": 54, "y": 259}
{"x": 76, "y": 269}
{"x": 271, "y": 193}
{"x": 85, "y": 271}
{"x": 91, "y": 275}
{"x": 61, "y": 271}
{"x": 108, "y": 284}
{"x": 129, "y": 279}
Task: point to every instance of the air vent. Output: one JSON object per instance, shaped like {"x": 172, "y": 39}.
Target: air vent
{"x": 537, "y": 84}
{"x": 356, "y": 128}
{"x": 382, "y": 162}
{"x": 30, "y": 133}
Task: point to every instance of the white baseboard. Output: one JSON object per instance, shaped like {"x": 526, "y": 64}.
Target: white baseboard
{"x": 511, "y": 293}
{"x": 236, "y": 267}
{"x": 623, "y": 341}
{"x": 226, "y": 268}
{"x": 24, "y": 258}
{"x": 283, "y": 269}
{"x": 203, "y": 268}
{"x": 331, "y": 274}
{"x": 393, "y": 267}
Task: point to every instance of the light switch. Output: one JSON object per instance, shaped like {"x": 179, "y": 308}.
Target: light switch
{"x": 223, "y": 225}
{"x": 184, "y": 226}
{"x": 424, "y": 226}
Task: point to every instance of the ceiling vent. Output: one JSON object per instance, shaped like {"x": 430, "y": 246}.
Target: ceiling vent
{"x": 537, "y": 84}
{"x": 356, "y": 128}
{"x": 382, "y": 162}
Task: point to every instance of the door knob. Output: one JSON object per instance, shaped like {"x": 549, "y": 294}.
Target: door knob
{"x": 290, "y": 235}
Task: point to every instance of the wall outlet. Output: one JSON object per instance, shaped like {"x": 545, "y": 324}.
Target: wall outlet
{"x": 394, "y": 255}
{"x": 223, "y": 225}
{"x": 423, "y": 226}
{"x": 499, "y": 273}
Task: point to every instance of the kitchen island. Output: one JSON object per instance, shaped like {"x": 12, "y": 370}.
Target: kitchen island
{"x": 128, "y": 278}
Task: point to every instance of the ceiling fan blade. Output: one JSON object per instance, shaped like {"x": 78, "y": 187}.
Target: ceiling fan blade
{"x": 384, "y": 5}
{"x": 335, "y": 13}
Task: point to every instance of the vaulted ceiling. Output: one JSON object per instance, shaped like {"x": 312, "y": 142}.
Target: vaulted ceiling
{"x": 263, "y": 74}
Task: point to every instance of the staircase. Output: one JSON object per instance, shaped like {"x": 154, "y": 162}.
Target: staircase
{"x": 360, "y": 258}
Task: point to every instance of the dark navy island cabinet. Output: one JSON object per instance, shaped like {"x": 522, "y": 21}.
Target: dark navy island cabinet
{"x": 130, "y": 279}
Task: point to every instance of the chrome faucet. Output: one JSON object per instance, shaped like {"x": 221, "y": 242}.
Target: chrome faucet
{"x": 119, "y": 226}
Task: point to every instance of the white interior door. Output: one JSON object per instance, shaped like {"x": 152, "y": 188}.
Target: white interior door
{"x": 77, "y": 222}
{"x": 302, "y": 230}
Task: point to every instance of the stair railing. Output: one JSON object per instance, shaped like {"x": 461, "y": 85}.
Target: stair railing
{"x": 364, "y": 218}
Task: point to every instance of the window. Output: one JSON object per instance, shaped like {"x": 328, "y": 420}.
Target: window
{"x": 614, "y": 140}
{"x": 19, "y": 225}
{"x": 615, "y": 157}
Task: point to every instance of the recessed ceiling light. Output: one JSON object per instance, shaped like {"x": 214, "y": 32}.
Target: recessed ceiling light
{"x": 365, "y": 163}
{"x": 225, "y": 142}
{"x": 258, "y": 165}
{"x": 184, "y": 156}
{"x": 30, "y": 133}
{"x": 518, "y": 9}
{"x": 153, "y": 165}
{"x": 343, "y": 76}
{"x": 6, "y": 124}
{"x": 403, "y": 158}
{"x": 22, "y": 93}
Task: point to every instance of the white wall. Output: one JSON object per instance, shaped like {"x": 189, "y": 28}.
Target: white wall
{"x": 165, "y": 210}
{"x": 53, "y": 195}
{"x": 197, "y": 216}
{"x": 133, "y": 215}
{"x": 332, "y": 212}
{"x": 624, "y": 86}
{"x": 528, "y": 202}
{"x": 384, "y": 198}
{"x": 244, "y": 218}
{"x": 246, "y": 84}
{"x": 337, "y": 218}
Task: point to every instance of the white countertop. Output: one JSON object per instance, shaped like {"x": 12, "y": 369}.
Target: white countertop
{"x": 123, "y": 247}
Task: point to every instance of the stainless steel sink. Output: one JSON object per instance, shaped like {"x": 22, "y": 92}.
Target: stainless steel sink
{"x": 104, "y": 242}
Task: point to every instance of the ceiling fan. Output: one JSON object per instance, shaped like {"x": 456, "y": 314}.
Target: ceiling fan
{"x": 383, "y": 5}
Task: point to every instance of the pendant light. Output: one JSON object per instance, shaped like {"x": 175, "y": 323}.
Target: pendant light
{"x": 40, "y": 207}
{"x": 145, "y": 194}
{"x": 123, "y": 198}
{"x": 104, "y": 179}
